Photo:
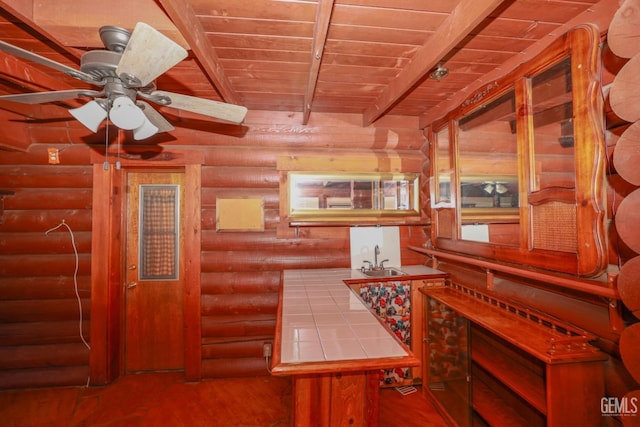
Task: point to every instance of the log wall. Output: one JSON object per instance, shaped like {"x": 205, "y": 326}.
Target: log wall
{"x": 240, "y": 272}
{"x": 39, "y": 313}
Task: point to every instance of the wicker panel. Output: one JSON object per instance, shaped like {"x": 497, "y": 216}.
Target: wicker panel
{"x": 554, "y": 227}
{"x": 445, "y": 223}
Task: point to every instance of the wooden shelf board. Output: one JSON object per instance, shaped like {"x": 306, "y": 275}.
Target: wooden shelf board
{"x": 522, "y": 381}
{"x": 524, "y": 334}
{"x": 491, "y": 408}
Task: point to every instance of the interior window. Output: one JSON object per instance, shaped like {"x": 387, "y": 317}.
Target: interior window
{"x": 553, "y": 140}
{"x": 159, "y": 231}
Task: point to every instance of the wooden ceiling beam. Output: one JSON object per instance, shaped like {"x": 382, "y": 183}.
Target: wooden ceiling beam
{"x": 599, "y": 14}
{"x": 24, "y": 74}
{"x": 72, "y": 23}
{"x": 23, "y": 10}
{"x": 184, "y": 18}
{"x": 464, "y": 18}
{"x": 325, "y": 9}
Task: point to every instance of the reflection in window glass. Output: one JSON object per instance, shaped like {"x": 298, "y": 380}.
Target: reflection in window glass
{"x": 310, "y": 192}
{"x": 487, "y": 146}
{"x": 364, "y": 194}
{"x": 159, "y": 231}
{"x": 395, "y": 195}
{"x": 554, "y": 154}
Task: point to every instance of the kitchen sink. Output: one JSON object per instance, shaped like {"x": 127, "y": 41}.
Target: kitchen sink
{"x": 383, "y": 272}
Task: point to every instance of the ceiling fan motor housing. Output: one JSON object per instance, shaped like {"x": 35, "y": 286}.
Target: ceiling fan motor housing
{"x": 114, "y": 38}
{"x": 100, "y": 64}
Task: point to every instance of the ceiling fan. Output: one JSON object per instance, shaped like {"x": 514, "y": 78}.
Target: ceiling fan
{"x": 126, "y": 72}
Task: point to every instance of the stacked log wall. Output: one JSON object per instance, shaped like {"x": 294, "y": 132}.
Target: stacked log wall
{"x": 40, "y": 341}
{"x": 240, "y": 273}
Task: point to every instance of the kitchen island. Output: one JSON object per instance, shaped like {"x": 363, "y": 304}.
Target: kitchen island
{"x": 334, "y": 347}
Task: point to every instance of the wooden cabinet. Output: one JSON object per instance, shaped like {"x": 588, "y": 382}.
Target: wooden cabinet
{"x": 517, "y": 170}
{"x": 492, "y": 362}
{"x": 446, "y": 360}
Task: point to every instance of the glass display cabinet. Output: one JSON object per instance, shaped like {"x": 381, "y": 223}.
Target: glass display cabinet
{"x": 447, "y": 360}
{"x": 518, "y": 169}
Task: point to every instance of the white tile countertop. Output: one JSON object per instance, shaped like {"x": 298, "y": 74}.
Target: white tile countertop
{"x": 323, "y": 320}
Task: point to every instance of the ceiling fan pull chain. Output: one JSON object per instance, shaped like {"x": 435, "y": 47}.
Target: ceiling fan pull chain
{"x": 106, "y": 140}
{"x": 118, "y": 151}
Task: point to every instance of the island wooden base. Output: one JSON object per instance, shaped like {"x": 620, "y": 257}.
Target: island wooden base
{"x": 336, "y": 399}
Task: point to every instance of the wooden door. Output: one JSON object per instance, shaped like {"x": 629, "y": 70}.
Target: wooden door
{"x": 154, "y": 323}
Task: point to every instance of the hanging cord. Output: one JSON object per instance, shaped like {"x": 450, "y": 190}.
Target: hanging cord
{"x": 118, "y": 158}
{"x": 75, "y": 274}
{"x": 105, "y": 166}
{"x": 267, "y": 360}
{"x": 267, "y": 350}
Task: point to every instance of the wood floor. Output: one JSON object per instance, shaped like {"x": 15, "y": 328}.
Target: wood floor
{"x": 163, "y": 399}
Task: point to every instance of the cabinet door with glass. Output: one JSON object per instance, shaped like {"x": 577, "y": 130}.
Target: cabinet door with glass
{"x": 518, "y": 168}
{"x": 447, "y": 360}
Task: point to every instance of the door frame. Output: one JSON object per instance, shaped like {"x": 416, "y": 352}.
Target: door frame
{"x": 106, "y": 361}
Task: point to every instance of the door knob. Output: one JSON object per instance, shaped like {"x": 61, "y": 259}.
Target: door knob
{"x": 132, "y": 285}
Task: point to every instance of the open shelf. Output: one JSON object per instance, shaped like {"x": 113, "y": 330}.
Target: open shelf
{"x": 493, "y": 404}
{"x": 525, "y": 368}
{"x": 508, "y": 366}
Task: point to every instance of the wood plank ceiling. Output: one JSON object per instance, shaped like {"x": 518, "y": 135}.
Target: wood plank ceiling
{"x": 371, "y": 57}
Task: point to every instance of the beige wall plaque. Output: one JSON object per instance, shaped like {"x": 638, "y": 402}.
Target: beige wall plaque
{"x": 239, "y": 214}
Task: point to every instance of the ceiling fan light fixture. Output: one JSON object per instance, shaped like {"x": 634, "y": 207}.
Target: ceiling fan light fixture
{"x": 501, "y": 188}
{"x": 90, "y": 115}
{"x": 125, "y": 71}
{"x": 125, "y": 114}
{"x": 145, "y": 131}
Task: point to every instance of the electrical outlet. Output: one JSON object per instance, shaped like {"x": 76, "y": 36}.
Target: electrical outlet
{"x": 54, "y": 156}
{"x": 266, "y": 349}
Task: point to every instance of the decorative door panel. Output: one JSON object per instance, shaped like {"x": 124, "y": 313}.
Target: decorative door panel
{"x": 154, "y": 272}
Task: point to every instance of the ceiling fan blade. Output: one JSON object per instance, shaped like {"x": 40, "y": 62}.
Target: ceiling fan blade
{"x": 156, "y": 118}
{"x": 148, "y": 55}
{"x": 217, "y": 110}
{"x": 44, "y": 97}
{"x": 30, "y": 56}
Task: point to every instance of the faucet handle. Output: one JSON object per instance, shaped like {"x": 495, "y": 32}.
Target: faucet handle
{"x": 382, "y": 262}
{"x": 368, "y": 262}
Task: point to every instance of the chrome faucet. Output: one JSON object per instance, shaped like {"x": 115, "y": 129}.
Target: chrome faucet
{"x": 376, "y": 252}
{"x": 374, "y": 265}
